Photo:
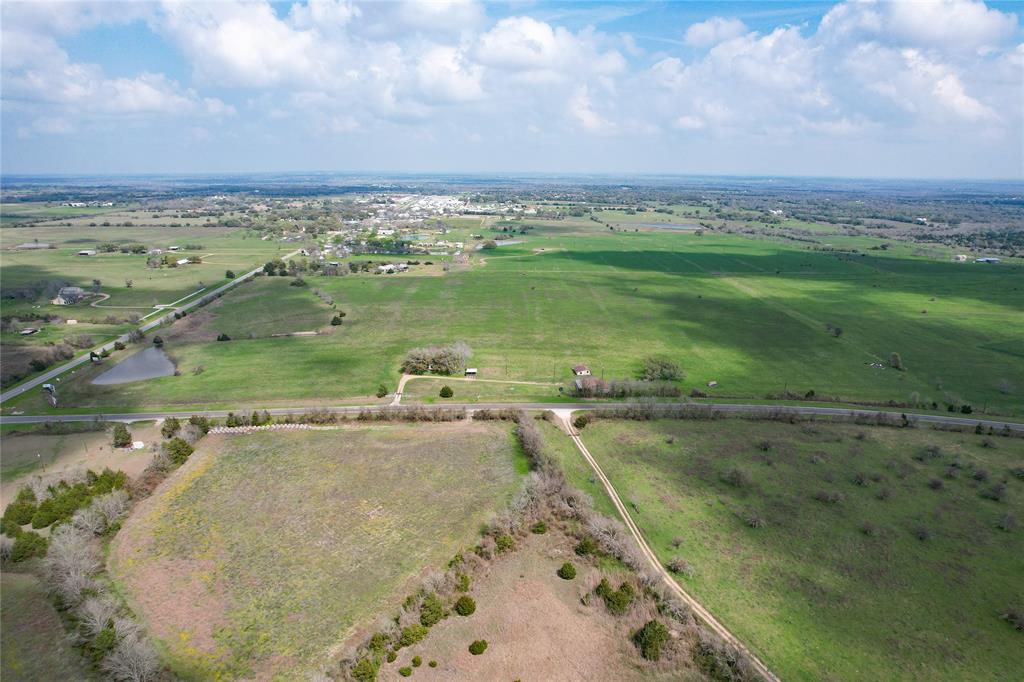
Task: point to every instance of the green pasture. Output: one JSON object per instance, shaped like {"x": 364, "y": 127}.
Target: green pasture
{"x": 749, "y": 314}
{"x": 347, "y": 519}
{"x": 843, "y": 590}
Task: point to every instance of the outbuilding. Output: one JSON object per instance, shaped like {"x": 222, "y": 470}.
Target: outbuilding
{"x": 87, "y": 252}
{"x": 581, "y": 371}
{"x": 471, "y": 371}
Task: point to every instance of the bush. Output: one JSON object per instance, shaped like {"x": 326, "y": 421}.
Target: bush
{"x": 202, "y": 423}
{"x": 650, "y": 639}
{"x": 170, "y": 427}
{"x": 229, "y": 274}
{"x": 681, "y": 566}
{"x": 223, "y": 337}
{"x": 586, "y": 546}
{"x": 660, "y": 369}
{"x": 1014, "y": 617}
{"x": 567, "y": 571}
{"x": 178, "y": 450}
{"x": 122, "y": 438}
{"x": 392, "y": 656}
{"x": 1006, "y": 522}
{"x": 158, "y": 341}
{"x": 737, "y": 478}
{"x": 417, "y": 661}
{"x": 20, "y": 511}
{"x": 365, "y": 670}
{"x": 465, "y": 606}
{"x": 405, "y": 671}
{"x": 437, "y": 359}
{"x": 617, "y": 601}
{"x": 581, "y": 421}
{"x": 446, "y": 392}
{"x": 118, "y": 345}
{"x": 539, "y": 528}
{"x": 28, "y": 544}
{"x": 432, "y": 664}
{"x": 335, "y": 321}
{"x": 412, "y": 634}
{"x": 504, "y": 543}
{"x": 754, "y": 519}
{"x": 431, "y": 610}
{"x": 382, "y": 391}
{"x": 478, "y": 647}
{"x": 828, "y": 497}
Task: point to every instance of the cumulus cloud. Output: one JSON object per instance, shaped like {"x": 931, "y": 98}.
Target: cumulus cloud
{"x": 713, "y": 31}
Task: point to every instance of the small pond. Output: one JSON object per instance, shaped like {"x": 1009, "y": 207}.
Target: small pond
{"x": 148, "y": 364}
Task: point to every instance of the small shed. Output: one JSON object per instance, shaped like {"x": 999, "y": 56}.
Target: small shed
{"x": 87, "y": 252}
{"x": 182, "y": 261}
{"x": 471, "y": 371}
{"x": 581, "y": 371}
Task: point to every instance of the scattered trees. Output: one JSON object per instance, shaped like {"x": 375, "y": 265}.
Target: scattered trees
{"x": 449, "y": 359}
{"x": 650, "y": 639}
{"x": 659, "y": 368}
{"x": 170, "y": 427}
{"x": 122, "y": 438}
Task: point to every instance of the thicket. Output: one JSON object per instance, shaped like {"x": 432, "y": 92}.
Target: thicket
{"x": 450, "y": 359}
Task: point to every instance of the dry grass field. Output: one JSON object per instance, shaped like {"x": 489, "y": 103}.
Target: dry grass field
{"x": 264, "y": 552}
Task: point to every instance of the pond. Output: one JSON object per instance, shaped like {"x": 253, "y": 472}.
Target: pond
{"x": 148, "y": 364}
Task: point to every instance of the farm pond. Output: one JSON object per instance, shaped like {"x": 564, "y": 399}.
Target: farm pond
{"x": 147, "y": 364}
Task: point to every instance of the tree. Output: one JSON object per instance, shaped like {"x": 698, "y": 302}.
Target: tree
{"x": 96, "y": 284}
{"x": 382, "y": 391}
{"x": 229, "y": 274}
{"x": 446, "y": 391}
{"x": 122, "y": 438}
{"x": 178, "y": 450}
{"x": 657, "y": 368}
{"x": 650, "y": 639}
{"x": 489, "y": 244}
{"x": 170, "y": 427}
{"x": 336, "y": 320}
{"x": 896, "y": 362}
{"x": 158, "y": 341}
{"x": 128, "y": 283}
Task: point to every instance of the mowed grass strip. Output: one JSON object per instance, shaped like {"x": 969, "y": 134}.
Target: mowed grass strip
{"x": 843, "y": 589}
{"x": 265, "y": 551}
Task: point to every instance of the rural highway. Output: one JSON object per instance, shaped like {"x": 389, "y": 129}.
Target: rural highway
{"x": 725, "y": 408}
{"x": 82, "y": 359}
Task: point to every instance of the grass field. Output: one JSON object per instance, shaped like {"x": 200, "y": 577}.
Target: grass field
{"x": 33, "y": 644}
{"x": 751, "y": 314}
{"x": 346, "y": 517}
{"x": 817, "y": 592}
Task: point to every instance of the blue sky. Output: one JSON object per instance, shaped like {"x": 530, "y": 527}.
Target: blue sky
{"x": 859, "y": 88}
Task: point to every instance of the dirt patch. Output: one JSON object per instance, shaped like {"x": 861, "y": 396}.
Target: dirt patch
{"x": 537, "y": 627}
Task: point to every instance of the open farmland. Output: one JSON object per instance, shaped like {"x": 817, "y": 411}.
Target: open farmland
{"x": 345, "y": 518}
{"x": 752, "y": 314}
{"x": 898, "y": 571}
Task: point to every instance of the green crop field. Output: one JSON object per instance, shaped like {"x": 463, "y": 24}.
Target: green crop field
{"x": 345, "y": 518}
{"x": 840, "y": 590}
{"x": 751, "y": 314}
{"x": 34, "y": 645}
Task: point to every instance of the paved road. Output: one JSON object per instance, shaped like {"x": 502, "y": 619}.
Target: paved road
{"x": 728, "y": 408}
{"x": 81, "y": 360}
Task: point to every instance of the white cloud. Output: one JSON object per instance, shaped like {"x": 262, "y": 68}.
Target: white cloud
{"x": 581, "y": 110}
{"x": 713, "y": 31}
{"x": 445, "y": 75}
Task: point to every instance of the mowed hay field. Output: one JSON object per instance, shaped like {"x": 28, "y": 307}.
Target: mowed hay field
{"x": 902, "y": 575}
{"x": 265, "y": 552}
{"x": 749, "y": 314}
{"x": 33, "y": 643}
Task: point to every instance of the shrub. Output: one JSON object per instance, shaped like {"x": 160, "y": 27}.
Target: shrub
{"x": 478, "y": 647}
{"x": 737, "y": 478}
{"x": 118, "y": 345}
{"x": 586, "y": 546}
{"x": 465, "y": 606}
{"x": 446, "y": 391}
{"x": 432, "y": 664}
{"x": 405, "y": 671}
{"x": 657, "y": 368}
{"x": 504, "y": 543}
{"x": 996, "y": 493}
{"x": 431, "y": 610}
{"x": 439, "y": 360}
{"x": 158, "y": 341}
{"x": 223, "y": 337}
{"x": 1006, "y": 522}
{"x": 828, "y": 497}
{"x": 122, "y": 438}
{"x": 754, "y": 519}
{"x": 132, "y": 659}
{"x": 567, "y": 571}
{"x": 682, "y": 567}
{"x": 922, "y": 533}
{"x": 650, "y": 639}
{"x": 412, "y": 634}
{"x": 202, "y": 423}
{"x": 28, "y": 544}
{"x": 392, "y": 656}
{"x": 462, "y": 583}
{"x": 539, "y": 528}
{"x": 417, "y": 661}
{"x": 336, "y": 321}
{"x": 618, "y": 601}
{"x": 581, "y": 421}
{"x": 980, "y": 475}
{"x": 178, "y": 450}
{"x": 170, "y": 427}
{"x": 382, "y": 391}
{"x": 935, "y": 484}
{"x": 21, "y": 511}
{"x": 1014, "y": 617}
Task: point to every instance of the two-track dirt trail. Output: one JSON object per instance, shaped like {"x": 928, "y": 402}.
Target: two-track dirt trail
{"x": 699, "y": 611}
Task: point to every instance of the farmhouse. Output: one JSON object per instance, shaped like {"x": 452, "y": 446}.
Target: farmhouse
{"x": 87, "y": 252}
{"x": 33, "y": 245}
{"x": 69, "y": 296}
{"x": 581, "y": 371}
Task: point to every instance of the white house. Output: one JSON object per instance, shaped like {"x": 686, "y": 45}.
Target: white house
{"x": 182, "y": 261}
{"x": 87, "y": 252}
